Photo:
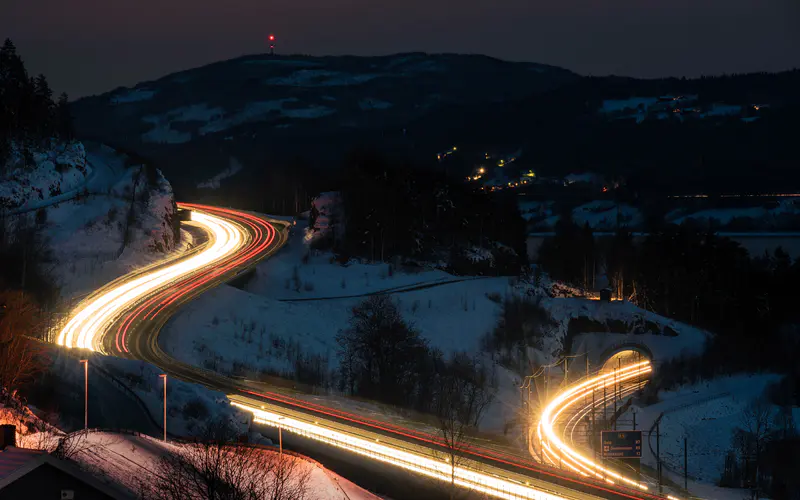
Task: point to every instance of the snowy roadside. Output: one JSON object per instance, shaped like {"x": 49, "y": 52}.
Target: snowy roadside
{"x": 123, "y": 460}
{"x": 288, "y": 316}
{"x": 104, "y": 167}
{"x": 706, "y": 415}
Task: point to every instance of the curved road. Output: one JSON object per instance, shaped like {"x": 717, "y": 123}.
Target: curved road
{"x": 125, "y": 317}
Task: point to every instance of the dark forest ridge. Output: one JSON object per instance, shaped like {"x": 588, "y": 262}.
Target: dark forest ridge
{"x": 261, "y": 120}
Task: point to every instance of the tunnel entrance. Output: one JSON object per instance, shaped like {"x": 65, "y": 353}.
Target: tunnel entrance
{"x": 623, "y": 358}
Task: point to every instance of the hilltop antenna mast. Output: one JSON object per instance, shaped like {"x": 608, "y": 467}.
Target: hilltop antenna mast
{"x": 271, "y": 44}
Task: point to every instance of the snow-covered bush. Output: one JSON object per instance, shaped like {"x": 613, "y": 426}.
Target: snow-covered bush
{"x": 33, "y": 175}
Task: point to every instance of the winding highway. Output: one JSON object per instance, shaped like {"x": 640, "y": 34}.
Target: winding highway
{"x": 124, "y": 319}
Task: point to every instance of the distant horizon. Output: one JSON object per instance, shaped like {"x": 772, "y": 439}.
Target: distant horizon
{"x": 87, "y": 47}
{"x": 394, "y": 54}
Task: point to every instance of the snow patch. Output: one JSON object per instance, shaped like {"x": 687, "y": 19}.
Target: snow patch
{"x": 320, "y": 78}
{"x": 372, "y": 104}
{"x": 234, "y": 167}
{"x": 34, "y": 176}
{"x": 135, "y": 95}
{"x": 706, "y": 413}
{"x": 630, "y": 104}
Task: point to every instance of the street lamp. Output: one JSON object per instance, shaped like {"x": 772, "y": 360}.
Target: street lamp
{"x": 280, "y": 436}
{"x": 164, "y": 376}
{"x": 85, "y": 363}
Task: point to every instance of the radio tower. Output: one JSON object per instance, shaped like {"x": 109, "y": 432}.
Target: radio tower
{"x": 271, "y": 45}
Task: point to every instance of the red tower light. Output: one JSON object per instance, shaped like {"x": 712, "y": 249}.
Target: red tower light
{"x": 272, "y": 38}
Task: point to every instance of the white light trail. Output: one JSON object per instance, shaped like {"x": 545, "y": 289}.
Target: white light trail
{"x": 409, "y": 460}
{"x": 557, "y": 451}
{"x": 88, "y": 326}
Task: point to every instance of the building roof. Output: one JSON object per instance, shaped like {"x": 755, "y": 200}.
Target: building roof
{"x": 13, "y": 459}
{"x": 17, "y": 462}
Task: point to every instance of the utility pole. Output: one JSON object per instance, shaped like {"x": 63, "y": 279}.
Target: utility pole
{"x": 594, "y": 447}
{"x": 85, "y": 363}
{"x": 24, "y": 265}
{"x": 658, "y": 453}
{"x": 615, "y": 399}
{"x": 164, "y": 376}
{"x": 547, "y": 384}
{"x": 685, "y": 465}
{"x": 280, "y": 436}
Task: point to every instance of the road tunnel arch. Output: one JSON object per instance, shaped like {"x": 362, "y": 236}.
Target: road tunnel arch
{"x": 621, "y": 355}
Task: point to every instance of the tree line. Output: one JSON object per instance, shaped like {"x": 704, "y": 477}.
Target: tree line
{"x": 29, "y": 116}
{"x": 404, "y": 210}
{"x": 697, "y": 277}
{"x": 383, "y": 358}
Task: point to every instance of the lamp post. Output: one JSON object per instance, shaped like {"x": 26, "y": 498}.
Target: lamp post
{"x": 164, "y": 376}
{"x": 280, "y": 436}
{"x": 85, "y": 363}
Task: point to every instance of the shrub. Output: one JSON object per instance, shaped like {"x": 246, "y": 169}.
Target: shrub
{"x": 41, "y": 217}
{"x": 494, "y": 297}
{"x": 523, "y": 323}
{"x": 195, "y": 409}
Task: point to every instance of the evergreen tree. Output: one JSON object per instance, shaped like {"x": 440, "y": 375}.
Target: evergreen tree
{"x": 43, "y": 117}
{"x": 28, "y": 115}
{"x": 64, "y": 118}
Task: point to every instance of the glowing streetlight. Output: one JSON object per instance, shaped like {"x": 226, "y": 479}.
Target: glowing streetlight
{"x": 164, "y": 376}
{"x": 85, "y": 363}
{"x": 280, "y": 436}
{"x": 271, "y": 44}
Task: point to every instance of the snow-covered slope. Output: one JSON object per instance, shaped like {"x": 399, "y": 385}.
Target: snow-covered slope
{"x": 124, "y": 461}
{"x": 261, "y": 108}
{"x": 122, "y": 216}
{"x": 781, "y": 215}
{"x": 705, "y": 414}
{"x": 289, "y": 314}
{"x": 34, "y": 176}
{"x": 601, "y": 215}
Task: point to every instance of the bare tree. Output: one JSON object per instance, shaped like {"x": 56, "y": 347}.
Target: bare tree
{"x": 75, "y": 443}
{"x": 462, "y": 397}
{"x": 20, "y": 358}
{"x": 754, "y": 432}
{"x": 220, "y": 469}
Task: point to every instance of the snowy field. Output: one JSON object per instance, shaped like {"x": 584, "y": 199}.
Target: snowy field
{"x": 764, "y": 216}
{"x": 706, "y": 414}
{"x": 217, "y": 119}
{"x": 599, "y": 214}
{"x": 290, "y": 312}
{"x": 123, "y": 460}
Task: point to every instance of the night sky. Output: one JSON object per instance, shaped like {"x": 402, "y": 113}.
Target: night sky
{"x": 91, "y": 46}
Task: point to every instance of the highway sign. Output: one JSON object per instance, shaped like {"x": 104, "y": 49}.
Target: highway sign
{"x": 621, "y": 444}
